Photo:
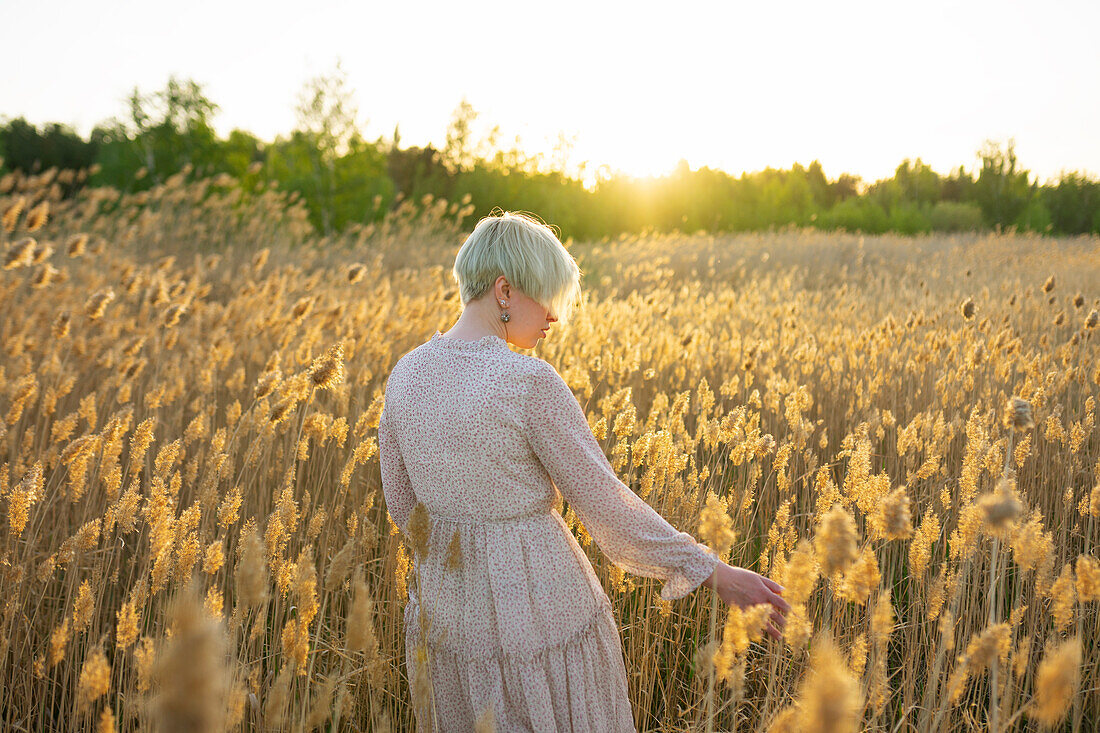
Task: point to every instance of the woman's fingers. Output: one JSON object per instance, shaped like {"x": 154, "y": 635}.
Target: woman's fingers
{"x": 772, "y": 585}
{"x": 774, "y": 632}
{"x": 774, "y": 598}
{"x": 779, "y": 620}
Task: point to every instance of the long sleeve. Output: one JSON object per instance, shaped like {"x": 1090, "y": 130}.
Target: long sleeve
{"x": 396, "y": 486}
{"x": 627, "y": 529}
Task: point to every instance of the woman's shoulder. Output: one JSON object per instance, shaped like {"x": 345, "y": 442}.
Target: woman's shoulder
{"x": 405, "y": 363}
{"x": 529, "y": 364}
{"x": 532, "y": 370}
{"x": 539, "y": 374}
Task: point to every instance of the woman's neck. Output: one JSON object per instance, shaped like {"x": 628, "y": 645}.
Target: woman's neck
{"x": 474, "y": 324}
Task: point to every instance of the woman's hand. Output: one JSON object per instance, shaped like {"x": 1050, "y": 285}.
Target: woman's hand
{"x": 746, "y": 588}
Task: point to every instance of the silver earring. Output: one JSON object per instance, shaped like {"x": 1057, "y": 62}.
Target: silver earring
{"x": 505, "y": 317}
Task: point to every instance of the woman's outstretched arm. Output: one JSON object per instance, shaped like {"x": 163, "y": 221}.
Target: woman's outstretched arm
{"x": 627, "y": 529}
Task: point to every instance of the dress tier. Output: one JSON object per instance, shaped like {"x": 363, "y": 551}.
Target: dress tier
{"x": 490, "y": 440}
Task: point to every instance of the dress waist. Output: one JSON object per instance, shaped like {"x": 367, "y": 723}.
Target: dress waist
{"x": 519, "y": 584}
{"x": 537, "y": 513}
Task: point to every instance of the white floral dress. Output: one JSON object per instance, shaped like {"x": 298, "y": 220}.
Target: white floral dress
{"x": 486, "y": 438}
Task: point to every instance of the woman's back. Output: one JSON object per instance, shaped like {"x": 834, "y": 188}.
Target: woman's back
{"x": 456, "y": 411}
{"x": 490, "y": 440}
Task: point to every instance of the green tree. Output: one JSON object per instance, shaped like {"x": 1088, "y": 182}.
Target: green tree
{"x": 917, "y": 183}
{"x": 1002, "y": 190}
{"x": 1074, "y": 204}
{"x": 416, "y": 171}
{"x": 174, "y": 127}
{"x": 239, "y": 151}
{"x": 459, "y": 148}
{"x": 326, "y": 113}
{"x": 338, "y": 173}
{"x": 163, "y": 132}
{"x": 25, "y": 148}
{"x": 958, "y": 187}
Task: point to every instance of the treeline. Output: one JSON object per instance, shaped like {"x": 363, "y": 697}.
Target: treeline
{"x": 344, "y": 178}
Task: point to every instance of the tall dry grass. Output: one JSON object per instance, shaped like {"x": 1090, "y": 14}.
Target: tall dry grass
{"x": 193, "y": 531}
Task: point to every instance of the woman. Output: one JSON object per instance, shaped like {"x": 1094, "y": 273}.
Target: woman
{"x": 490, "y": 440}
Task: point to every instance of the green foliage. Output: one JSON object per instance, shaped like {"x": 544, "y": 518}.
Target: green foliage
{"x": 24, "y": 147}
{"x": 344, "y": 179}
{"x": 458, "y": 153}
{"x": 1035, "y": 217}
{"x": 910, "y": 218}
{"x": 417, "y": 171}
{"x": 952, "y": 216}
{"x": 917, "y": 183}
{"x": 164, "y": 132}
{"x": 1074, "y": 204}
{"x": 336, "y": 192}
{"x": 856, "y": 214}
{"x": 239, "y": 152}
{"x": 1002, "y": 191}
{"x": 326, "y": 160}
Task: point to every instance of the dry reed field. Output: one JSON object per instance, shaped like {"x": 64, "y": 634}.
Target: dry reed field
{"x": 193, "y": 535}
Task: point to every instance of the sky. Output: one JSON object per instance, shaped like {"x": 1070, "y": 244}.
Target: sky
{"x": 637, "y": 86}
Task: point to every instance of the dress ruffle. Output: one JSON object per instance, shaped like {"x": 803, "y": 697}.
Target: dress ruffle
{"x": 577, "y": 685}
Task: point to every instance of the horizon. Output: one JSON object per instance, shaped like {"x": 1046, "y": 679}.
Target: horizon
{"x": 632, "y": 105}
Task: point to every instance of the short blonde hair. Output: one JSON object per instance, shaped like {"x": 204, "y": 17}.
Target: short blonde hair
{"x": 527, "y": 253}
